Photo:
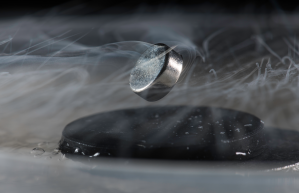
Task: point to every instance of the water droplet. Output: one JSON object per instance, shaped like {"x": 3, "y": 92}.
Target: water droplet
{"x": 248, "y": 125}
{"x": 96, "y": 154}
{"x": 240, "y": 153}
{"x": 37, "y": 151}
{"x": 157, "y": 116}
{"x": 63, "y": 157}
{"x": 41, "y": 144}
{"x": 55, "y": 151}
{"x": 200, "y": 127}
{"x": 48, "y": 157}
{"x": 238, "y": 130}
{"x": 140, "y": 145}
{"x": 187, "y": 148}
{"x": 77, "y": 150}
{"x": 187, "y": 133}
{"x": 222, "y": 133}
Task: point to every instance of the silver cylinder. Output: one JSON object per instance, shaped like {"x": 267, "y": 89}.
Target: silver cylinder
{"x": 156, "y": 72}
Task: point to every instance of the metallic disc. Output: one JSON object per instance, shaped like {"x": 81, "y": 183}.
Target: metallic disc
{"x": 156, "y": 72}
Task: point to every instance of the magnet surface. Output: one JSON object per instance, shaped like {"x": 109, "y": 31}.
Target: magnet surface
{"x": 156, "y": 72}
{"x": 174, "y": 132}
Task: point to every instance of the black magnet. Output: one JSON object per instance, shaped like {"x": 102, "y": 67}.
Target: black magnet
{"x": 173, "y": 132}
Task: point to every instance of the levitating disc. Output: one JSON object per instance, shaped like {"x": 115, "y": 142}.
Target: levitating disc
{"x": 173, "y": 132}
{"x": 156, "y": 72}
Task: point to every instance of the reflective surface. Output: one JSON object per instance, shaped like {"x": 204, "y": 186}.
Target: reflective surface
{"x": 148, "y": 68}
{"x": 156, "y": 72}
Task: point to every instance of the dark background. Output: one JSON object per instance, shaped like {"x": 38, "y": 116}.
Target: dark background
{"x": 89, "y": 7}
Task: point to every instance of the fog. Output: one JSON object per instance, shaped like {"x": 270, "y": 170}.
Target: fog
{"x": 55, "y": 69}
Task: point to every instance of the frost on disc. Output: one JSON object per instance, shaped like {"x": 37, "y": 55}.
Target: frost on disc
{"x": 147, "y": 67}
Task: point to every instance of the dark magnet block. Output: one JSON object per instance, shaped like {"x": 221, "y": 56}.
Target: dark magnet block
{"x": 173, "y": 132}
